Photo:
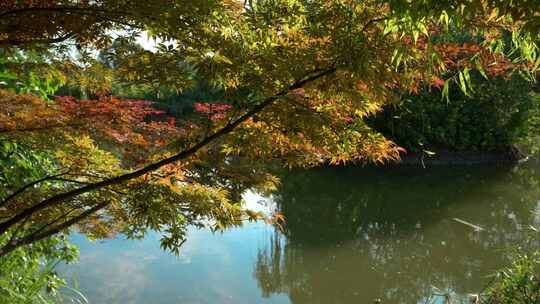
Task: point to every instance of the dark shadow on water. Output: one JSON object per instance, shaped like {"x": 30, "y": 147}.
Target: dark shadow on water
{"x": 396, "y": 234}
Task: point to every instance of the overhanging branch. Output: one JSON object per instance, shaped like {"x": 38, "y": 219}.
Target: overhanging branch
{"x": 59, "y": 198}
{"x": 23, "y": 188}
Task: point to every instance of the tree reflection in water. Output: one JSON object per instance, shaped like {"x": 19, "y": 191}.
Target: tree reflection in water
{"x": 358, "y": 234}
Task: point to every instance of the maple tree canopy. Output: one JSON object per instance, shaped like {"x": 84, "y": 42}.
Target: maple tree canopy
{"x": 297, "y": 80}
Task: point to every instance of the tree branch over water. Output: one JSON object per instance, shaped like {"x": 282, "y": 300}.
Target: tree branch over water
{"x": 59, "y": 198}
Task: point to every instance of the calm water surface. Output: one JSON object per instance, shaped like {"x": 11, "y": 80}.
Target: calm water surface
{"x": 353, "y": 235}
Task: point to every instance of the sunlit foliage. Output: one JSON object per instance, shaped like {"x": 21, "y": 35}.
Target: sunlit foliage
{"x": 297, "y": 80}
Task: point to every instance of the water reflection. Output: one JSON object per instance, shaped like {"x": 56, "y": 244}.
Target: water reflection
{"x": 353, "y": 235}
{"x": 212, "y": 268}
{"x": 357, "y": 236}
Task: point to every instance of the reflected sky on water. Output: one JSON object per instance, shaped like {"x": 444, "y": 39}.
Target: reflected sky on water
{"x": 354, "y": 235}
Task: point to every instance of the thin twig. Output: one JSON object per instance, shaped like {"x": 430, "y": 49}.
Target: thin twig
{"x": 23, "y": 188}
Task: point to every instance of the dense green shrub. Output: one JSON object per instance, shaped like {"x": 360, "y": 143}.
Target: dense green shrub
{"x": 498, "y": 114}
{"x": 517, "y": 284}
{"x": 27, "y": 274}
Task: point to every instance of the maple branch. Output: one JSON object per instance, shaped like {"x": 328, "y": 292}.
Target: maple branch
{"x": 12, "y": 42}
{"x": 23, "y": 188}
{"x": 49, "y": 224}
{"x": 67, "y": 180}
{"x": 16, "y": 231}
{"x": 89, "y": 10}
{"x": 99, "y": 15}
{"x": 59, "y": 198}
{"x": 370, "y": 22}
{"x": 35, "y": 237}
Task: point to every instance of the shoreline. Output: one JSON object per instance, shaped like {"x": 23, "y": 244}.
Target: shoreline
{"x": 451, "y": 158}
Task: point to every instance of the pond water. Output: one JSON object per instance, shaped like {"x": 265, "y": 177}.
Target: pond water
{"x": 353, "y": 235}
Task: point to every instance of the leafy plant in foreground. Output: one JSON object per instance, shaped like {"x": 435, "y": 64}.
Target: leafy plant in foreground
{"x": 519, "y": 283}
{"x": 28, "y": 274}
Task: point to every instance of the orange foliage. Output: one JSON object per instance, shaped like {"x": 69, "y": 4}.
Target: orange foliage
{"x": 133, "y": 123}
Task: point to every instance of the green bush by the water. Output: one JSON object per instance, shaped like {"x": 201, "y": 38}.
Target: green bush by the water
{"x": 27, "y": 275}
{"x": 519, "y": 283}
{"x": 498, "y": 114}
